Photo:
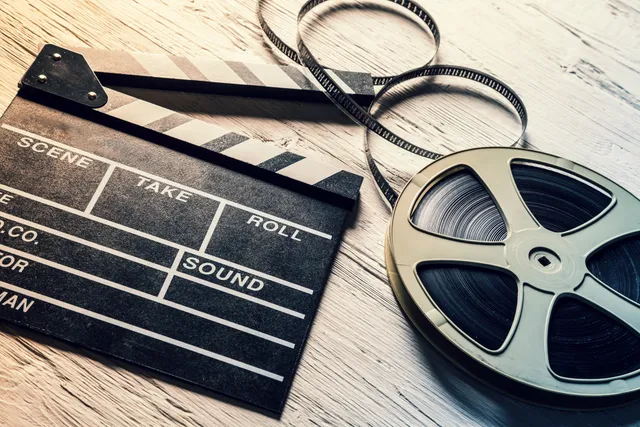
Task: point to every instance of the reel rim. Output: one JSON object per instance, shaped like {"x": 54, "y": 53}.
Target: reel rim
{"x": 419, "y": 307}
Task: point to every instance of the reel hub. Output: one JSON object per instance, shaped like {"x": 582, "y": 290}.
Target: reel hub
{"x": 459, "y": 291}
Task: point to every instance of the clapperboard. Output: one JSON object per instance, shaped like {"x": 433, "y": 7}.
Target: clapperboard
{"x": 159, "y": 239}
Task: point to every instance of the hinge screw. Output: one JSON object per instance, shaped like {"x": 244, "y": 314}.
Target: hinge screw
{"x": 42, "y": 78}
{"x": 92, "y": 95}
{"x": 56, "y": 57}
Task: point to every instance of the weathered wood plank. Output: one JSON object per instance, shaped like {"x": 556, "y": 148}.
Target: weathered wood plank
{"x": 576, "y": 65}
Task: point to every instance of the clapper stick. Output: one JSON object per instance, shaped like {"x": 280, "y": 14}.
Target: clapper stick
{"x": 160, "y": 239}
{"x": 60, "y": 68}
{"x": 208, "y": 75}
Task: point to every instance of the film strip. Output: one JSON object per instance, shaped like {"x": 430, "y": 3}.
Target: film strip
{"x": 363, "y": 115}
{"x": 521, "y": 267}
{"x": 293, "y": 55}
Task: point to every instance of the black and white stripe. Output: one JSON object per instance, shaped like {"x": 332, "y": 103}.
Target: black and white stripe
{"x": 209, "y": 70}
{"x": 231, "y": 144}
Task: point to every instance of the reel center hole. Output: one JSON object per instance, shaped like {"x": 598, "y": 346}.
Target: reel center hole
{"x": 545, "y": 260}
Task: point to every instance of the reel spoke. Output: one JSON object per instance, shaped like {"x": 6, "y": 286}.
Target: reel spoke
{"x": 549, "y": 228}
{"x": 527, "y": 344}
{"x": 601, "y": 296}
{"x": 621, "y": 219}
{"x": 445, "y": 249}
{"x": 496, "y": 175}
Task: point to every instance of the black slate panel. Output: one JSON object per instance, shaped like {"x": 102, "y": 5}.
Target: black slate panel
{"x": 212, "y": 275}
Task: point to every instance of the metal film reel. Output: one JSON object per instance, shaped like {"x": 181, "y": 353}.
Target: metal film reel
{"x": 547, "y": 267}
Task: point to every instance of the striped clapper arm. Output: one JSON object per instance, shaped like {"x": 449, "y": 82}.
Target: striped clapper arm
{"x": 213, "y": 75}
{"x": 239, "y": 147}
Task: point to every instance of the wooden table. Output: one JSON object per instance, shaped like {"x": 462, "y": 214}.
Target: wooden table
{"x": 575, "y": 63}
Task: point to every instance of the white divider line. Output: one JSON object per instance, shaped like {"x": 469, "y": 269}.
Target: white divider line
{"x": 90, "y": 216}
{"x": 169, "y": 278}
{"x": 142, "y": 331}
{"x": 140, "y": 112}
{"x": 168, "y": 182}
{"x": 345, "y": 87}
{"x": 212, "y": 227}
{"x": 159, "y": 65}
{"x": 196, "y": 132}
{"x": 272, "y": 75}
{"x": 170, "y": 271}
{"x": 280, "y": 220}
{"x": 309, "y": 171}
{"x": 100, "y": 189}
{"x": 256, "y": 273}
{"x": 84, "y": 242}
{"x": 239, "y": 294}
{"x": 154, "y": 238}
{"x": 253, "y": 151}
{"x": 216, "y": 70}
{"x": 146, "y": 296}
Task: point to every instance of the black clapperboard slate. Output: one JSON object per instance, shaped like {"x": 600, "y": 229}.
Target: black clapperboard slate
{"x": 159, "y": 239}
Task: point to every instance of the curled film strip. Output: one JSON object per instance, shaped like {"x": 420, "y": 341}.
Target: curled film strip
{"x": 521, "y": 266}
{"x": 292, "y": 54}
{"x": 326, "y": 78}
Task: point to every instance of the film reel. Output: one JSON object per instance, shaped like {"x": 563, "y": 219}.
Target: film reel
{"x": 522, "y": 268}
{"x": 519, "y": 266}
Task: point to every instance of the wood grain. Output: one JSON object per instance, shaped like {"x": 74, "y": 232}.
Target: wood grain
{"x": 575, "y": 63}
